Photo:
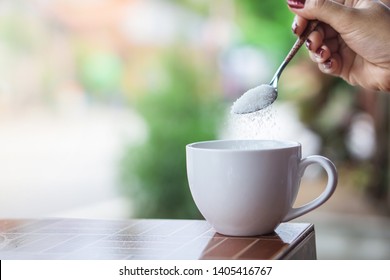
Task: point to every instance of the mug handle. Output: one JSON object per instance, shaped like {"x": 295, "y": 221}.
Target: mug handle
{"x": 325, "y": 195}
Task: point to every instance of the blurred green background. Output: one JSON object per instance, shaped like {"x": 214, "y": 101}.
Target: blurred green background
{"x": 99, "y": 98}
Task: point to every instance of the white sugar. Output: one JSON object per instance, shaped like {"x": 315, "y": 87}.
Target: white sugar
{"x": 255, "y": 99}
{"x": 257, "y": 125}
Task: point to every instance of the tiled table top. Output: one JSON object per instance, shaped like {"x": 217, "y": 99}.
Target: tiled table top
{"x": 146, "y": 239}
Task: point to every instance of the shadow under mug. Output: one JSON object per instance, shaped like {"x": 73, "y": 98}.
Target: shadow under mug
{"x": 248, "y": 187}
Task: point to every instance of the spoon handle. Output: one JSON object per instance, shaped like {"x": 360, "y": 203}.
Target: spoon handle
{"x": 311, "y": 25}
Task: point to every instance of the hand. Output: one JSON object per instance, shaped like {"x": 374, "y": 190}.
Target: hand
{"x": 352, "y": 40}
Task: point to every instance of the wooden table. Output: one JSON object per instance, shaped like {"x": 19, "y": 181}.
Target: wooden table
{"x": 141, "y": 239}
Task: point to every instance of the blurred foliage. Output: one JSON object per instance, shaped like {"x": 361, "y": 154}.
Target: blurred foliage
{"x": 100, "y": 72}
{"x": 200, "y": 6}
{"x": 177, "y": 114}
{"x": 266, "y": 24}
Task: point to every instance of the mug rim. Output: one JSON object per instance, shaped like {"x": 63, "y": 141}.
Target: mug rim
{"x": 203, "y": 145}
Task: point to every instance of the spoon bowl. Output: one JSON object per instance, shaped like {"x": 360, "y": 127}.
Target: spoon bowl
{"x": 264, "y": 95}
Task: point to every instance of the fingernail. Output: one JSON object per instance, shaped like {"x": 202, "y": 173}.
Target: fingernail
{"x": 320, "y": 52}
{"x": 308, "y": 44}
{"x": 296, "y": 4}
{"x": 294, "y": 28}
{"x": 328, "y": 64}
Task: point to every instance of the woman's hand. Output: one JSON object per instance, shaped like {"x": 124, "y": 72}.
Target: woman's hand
{"x": 352, "y": 40}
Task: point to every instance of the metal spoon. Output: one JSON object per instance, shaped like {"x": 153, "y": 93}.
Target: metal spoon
{"x": 264, "y": 95}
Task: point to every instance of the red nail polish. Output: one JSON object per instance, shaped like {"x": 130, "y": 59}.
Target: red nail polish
{"x": 308, "y": 44}
{"x": 328, "y": 64}
{"x": 320, "y": 52}
{"x": 296, "y": 4}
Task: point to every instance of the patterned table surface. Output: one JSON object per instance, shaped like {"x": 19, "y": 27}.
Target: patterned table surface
{"x": 141, "y": 239}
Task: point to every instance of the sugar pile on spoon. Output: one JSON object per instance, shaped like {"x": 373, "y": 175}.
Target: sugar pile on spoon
{"x": 255, "y": 99}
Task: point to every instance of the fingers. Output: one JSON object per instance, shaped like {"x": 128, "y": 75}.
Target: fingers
{"x": 327, "y": 58}
{"x": 314, "y": 41}
{"x": 332, "y": 65}
{"x": 327, "y": 11}
{"x": 321, "y": 54}
{"x": 299, "y": 24}
{"x": 322, "y": 43}
{"x": 323, "y": 50}
{"x": 321, "y": 47}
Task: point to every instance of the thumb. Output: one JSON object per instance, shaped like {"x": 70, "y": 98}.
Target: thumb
{"x": 327, "y": 11}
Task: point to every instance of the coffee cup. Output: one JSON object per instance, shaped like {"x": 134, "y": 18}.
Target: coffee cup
{"x": 249, "y": 187}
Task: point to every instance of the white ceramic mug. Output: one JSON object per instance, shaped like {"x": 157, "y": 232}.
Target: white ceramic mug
{"x": 248, "y": 187}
